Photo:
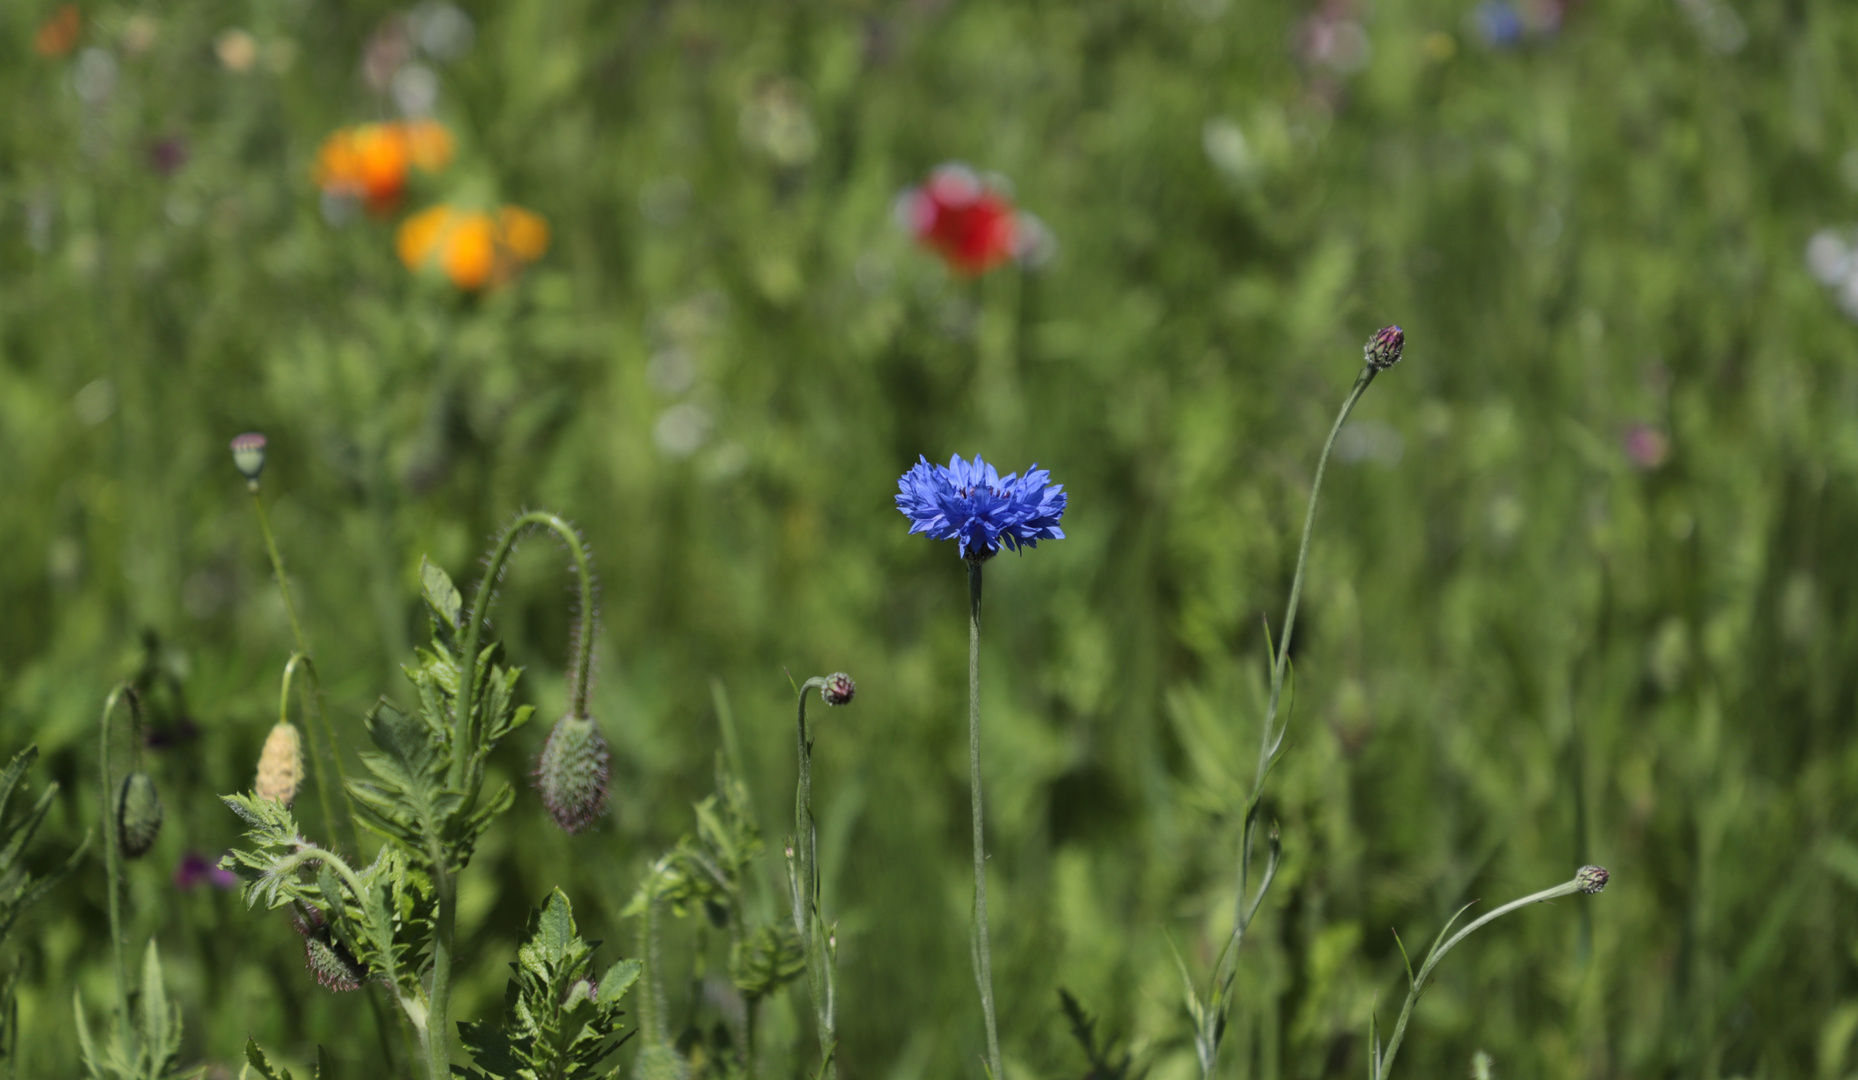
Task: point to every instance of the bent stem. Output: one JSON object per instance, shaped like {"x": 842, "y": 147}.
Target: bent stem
{"x": 1382, "y": 1061}
{"x": 328, "y": 752}
{"x": 983, "y": 954}
{"x": 112, "y": 841}
{"x": 808, "y": 922}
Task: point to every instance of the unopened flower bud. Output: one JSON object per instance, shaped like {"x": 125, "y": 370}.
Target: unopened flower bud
{"x": 333, "y": 965}
{"x": 280, "y": 766}
{"x": 1383, "y": 349}
{"x": 248, "y": 455}
{"x": 839, "y": 688}
{"x": 1591, "y": 878}
{"x": 138, "y": 815}
{"x": 571, "y": 774}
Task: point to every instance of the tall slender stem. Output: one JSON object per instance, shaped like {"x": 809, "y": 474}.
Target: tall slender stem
{"x": 808, "y": 922}
{"x": 983, "y": 953}
{"x": 437, "y": 1037}
{"x": 112, "y": 850}
{"x": 329, "y": 753}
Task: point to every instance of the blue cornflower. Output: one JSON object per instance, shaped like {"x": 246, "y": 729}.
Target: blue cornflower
{"x": 969, "y": 502}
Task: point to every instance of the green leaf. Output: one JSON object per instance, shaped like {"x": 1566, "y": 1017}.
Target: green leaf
{"x": 441, "y": 596}
{"x": 255, "y": 1058}
{"x": 766, "y": 960}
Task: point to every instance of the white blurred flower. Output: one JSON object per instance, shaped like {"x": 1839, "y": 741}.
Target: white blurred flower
{"x": 94, "y": 77}
{"x": 415, "y": 90}
{"x": 681, "y": 429}
{"x": 441, "y": 30}
{"x": 1829, "y": 257}
{"x": 1226, "y": 147}
{"x": 237, "y": 50}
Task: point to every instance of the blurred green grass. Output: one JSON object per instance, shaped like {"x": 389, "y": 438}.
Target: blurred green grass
{"x": 1519, "y": 652}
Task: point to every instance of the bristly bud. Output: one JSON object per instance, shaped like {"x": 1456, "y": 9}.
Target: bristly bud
{"x": 328, "y": 959}
{"x": 571, "y": 774}
{"x": 280, "y": 766}
{"x": 1591, "y": 878}
{"x": 1383, "y": 349}
{"x": 839, "y": 688}
{"x": 138, "y": 815}
{"x": 248, "y": 455}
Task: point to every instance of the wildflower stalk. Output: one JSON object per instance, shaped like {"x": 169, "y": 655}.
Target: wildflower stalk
{"x": 1589, "y": 879}
{"x": 1211, "y": 1022}
{"x": 983, "y": 954}
{"x": 329, "y": 751}
{"x": 112, "y": 840}
{"x": 808, "y": 922}
{"x": 301, "y": 660}
{"x": 445, "y": 885}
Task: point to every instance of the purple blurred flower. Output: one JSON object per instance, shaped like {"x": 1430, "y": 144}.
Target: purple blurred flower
{"x": 1498, "y": 23}
{"x": 167, "y": 155}
{"x": 195, "y": 870}
{"x": 1646, "y": 446}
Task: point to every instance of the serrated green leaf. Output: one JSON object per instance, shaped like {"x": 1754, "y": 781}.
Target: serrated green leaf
{"x": 255, "y": 1057}
{"x": 441, "y": 596}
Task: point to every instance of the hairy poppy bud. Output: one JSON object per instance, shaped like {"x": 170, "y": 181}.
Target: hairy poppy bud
{"x": 138, "y": 815}
{"x": 839, "y": 688}
{"x": 1383, "y": 349}
{"x": 248, "y": 455}
{"x": 280, "y": 766}
{"x": 1591, "y": 878}
{"x": 571, "y": 774}
{"x": 328, "y": 959}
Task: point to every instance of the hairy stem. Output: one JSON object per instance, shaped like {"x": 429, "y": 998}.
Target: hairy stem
{"x": 437, "y": 1035}
{"x": 112, "y": 840}
{"x": 808, "y": 921}
{"x": 983, "y": 953}
{"x": 582, "y": 669}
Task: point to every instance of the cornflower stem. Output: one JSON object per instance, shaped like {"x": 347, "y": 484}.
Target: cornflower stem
{"x": 112, "y": 841}
{"x": 1382, "y": 1061}
{"x": 1272, "y": 738}
{"x": 808, "y": 921}
{"x": 328, "y": 751}
{"x": 983, "y": 953}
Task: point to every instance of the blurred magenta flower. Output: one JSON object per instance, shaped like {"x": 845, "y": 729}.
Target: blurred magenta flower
{"x": 972, "y": 225}
{"x": 970, "y": 503}
{"x": 167, "y": 155}
{"x": 195, "y": 870}
{"x": 1646, "y": 446}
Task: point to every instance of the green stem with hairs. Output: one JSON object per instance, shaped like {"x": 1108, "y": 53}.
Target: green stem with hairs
{"x": 329, "y": 752}
{"x": 808, "y": 922}
{"x": 983, "y": 953}
{"x": 112, "y": 841}
{"x": 1381, "y": 1062}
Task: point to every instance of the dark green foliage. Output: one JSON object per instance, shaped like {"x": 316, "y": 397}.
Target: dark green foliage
{"x": 766, "y": 960}
{"x": 147, "y": 1043}
{"x": 558, "y": 1023}
{"x": 261, "y": 1065}
{"x": 1105, "y": 1063}
{"x": 19, "y": 889}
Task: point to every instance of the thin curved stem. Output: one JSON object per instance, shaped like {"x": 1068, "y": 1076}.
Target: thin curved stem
{"x": 582, "y": 668}
{"x": 302, "y": 660}
{"x": 112, "y": 841}
{"x": 1417, "y": 985}
{"x": 807, "y": 918}
{"x": 983, "y": 952}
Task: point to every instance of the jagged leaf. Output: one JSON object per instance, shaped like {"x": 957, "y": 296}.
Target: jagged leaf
{"x": 766, "y": 960}
{"x": 441, "y": 596}
{"x": 255, "y": 1060}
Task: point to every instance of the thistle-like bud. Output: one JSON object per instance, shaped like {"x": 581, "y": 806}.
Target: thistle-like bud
{"x": 248, "y": 456}
{"x": 138, "y": 815}
{"x": 1591, "y": 878}
{"x": 328, "y": 959}
{"x": 1383, "y": 349}
{"x": 571, "y": 773}
{"x": 280, "y": 766}
{"x": 839, "y": 688}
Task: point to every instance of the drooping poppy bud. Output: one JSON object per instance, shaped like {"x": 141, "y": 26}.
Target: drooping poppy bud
{"x": 571, "y": 773}
{"x": 328, "y": 959}
{"x": 280, "y": 765}
{"x": 138, "y": 815}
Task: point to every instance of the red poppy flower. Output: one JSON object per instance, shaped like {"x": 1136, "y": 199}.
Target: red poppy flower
{"x": 972, "y": 226}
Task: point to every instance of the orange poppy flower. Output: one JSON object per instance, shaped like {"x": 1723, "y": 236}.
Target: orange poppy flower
{"x": 370, "y": 162}
{"x": 58, "y": 35}
{"x": 471, "y": 248}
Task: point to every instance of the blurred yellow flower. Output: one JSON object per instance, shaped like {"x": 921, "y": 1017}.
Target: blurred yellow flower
{"x": 473, "y": 249}
{"x": 370, "y": 162}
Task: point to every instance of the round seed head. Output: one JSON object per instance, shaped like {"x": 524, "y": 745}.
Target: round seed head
{"x": 839, "y": 688}
{"x": 328, "y": 959}
{"x": 138, "y": 815}
{"x": 280, "y": 766}
{"x": 248, "y": 454}
{"x": 1383, "y": 349}
{"x": 1591, "y": 878}
{"x": 571, "y": 773}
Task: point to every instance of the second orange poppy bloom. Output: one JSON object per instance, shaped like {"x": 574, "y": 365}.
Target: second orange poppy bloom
{"x": 472, "y": 248}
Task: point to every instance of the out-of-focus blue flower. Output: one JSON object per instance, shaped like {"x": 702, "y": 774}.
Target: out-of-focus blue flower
{"x": 970, "y": 503}
{"x": 1499, "y": 24}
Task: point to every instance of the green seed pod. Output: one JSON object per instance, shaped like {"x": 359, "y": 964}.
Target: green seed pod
{"x": 138, "y": 815}
{"x": 571, "y": 774}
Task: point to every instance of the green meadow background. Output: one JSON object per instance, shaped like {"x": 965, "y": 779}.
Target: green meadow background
{"x": 1582, "y": 587}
